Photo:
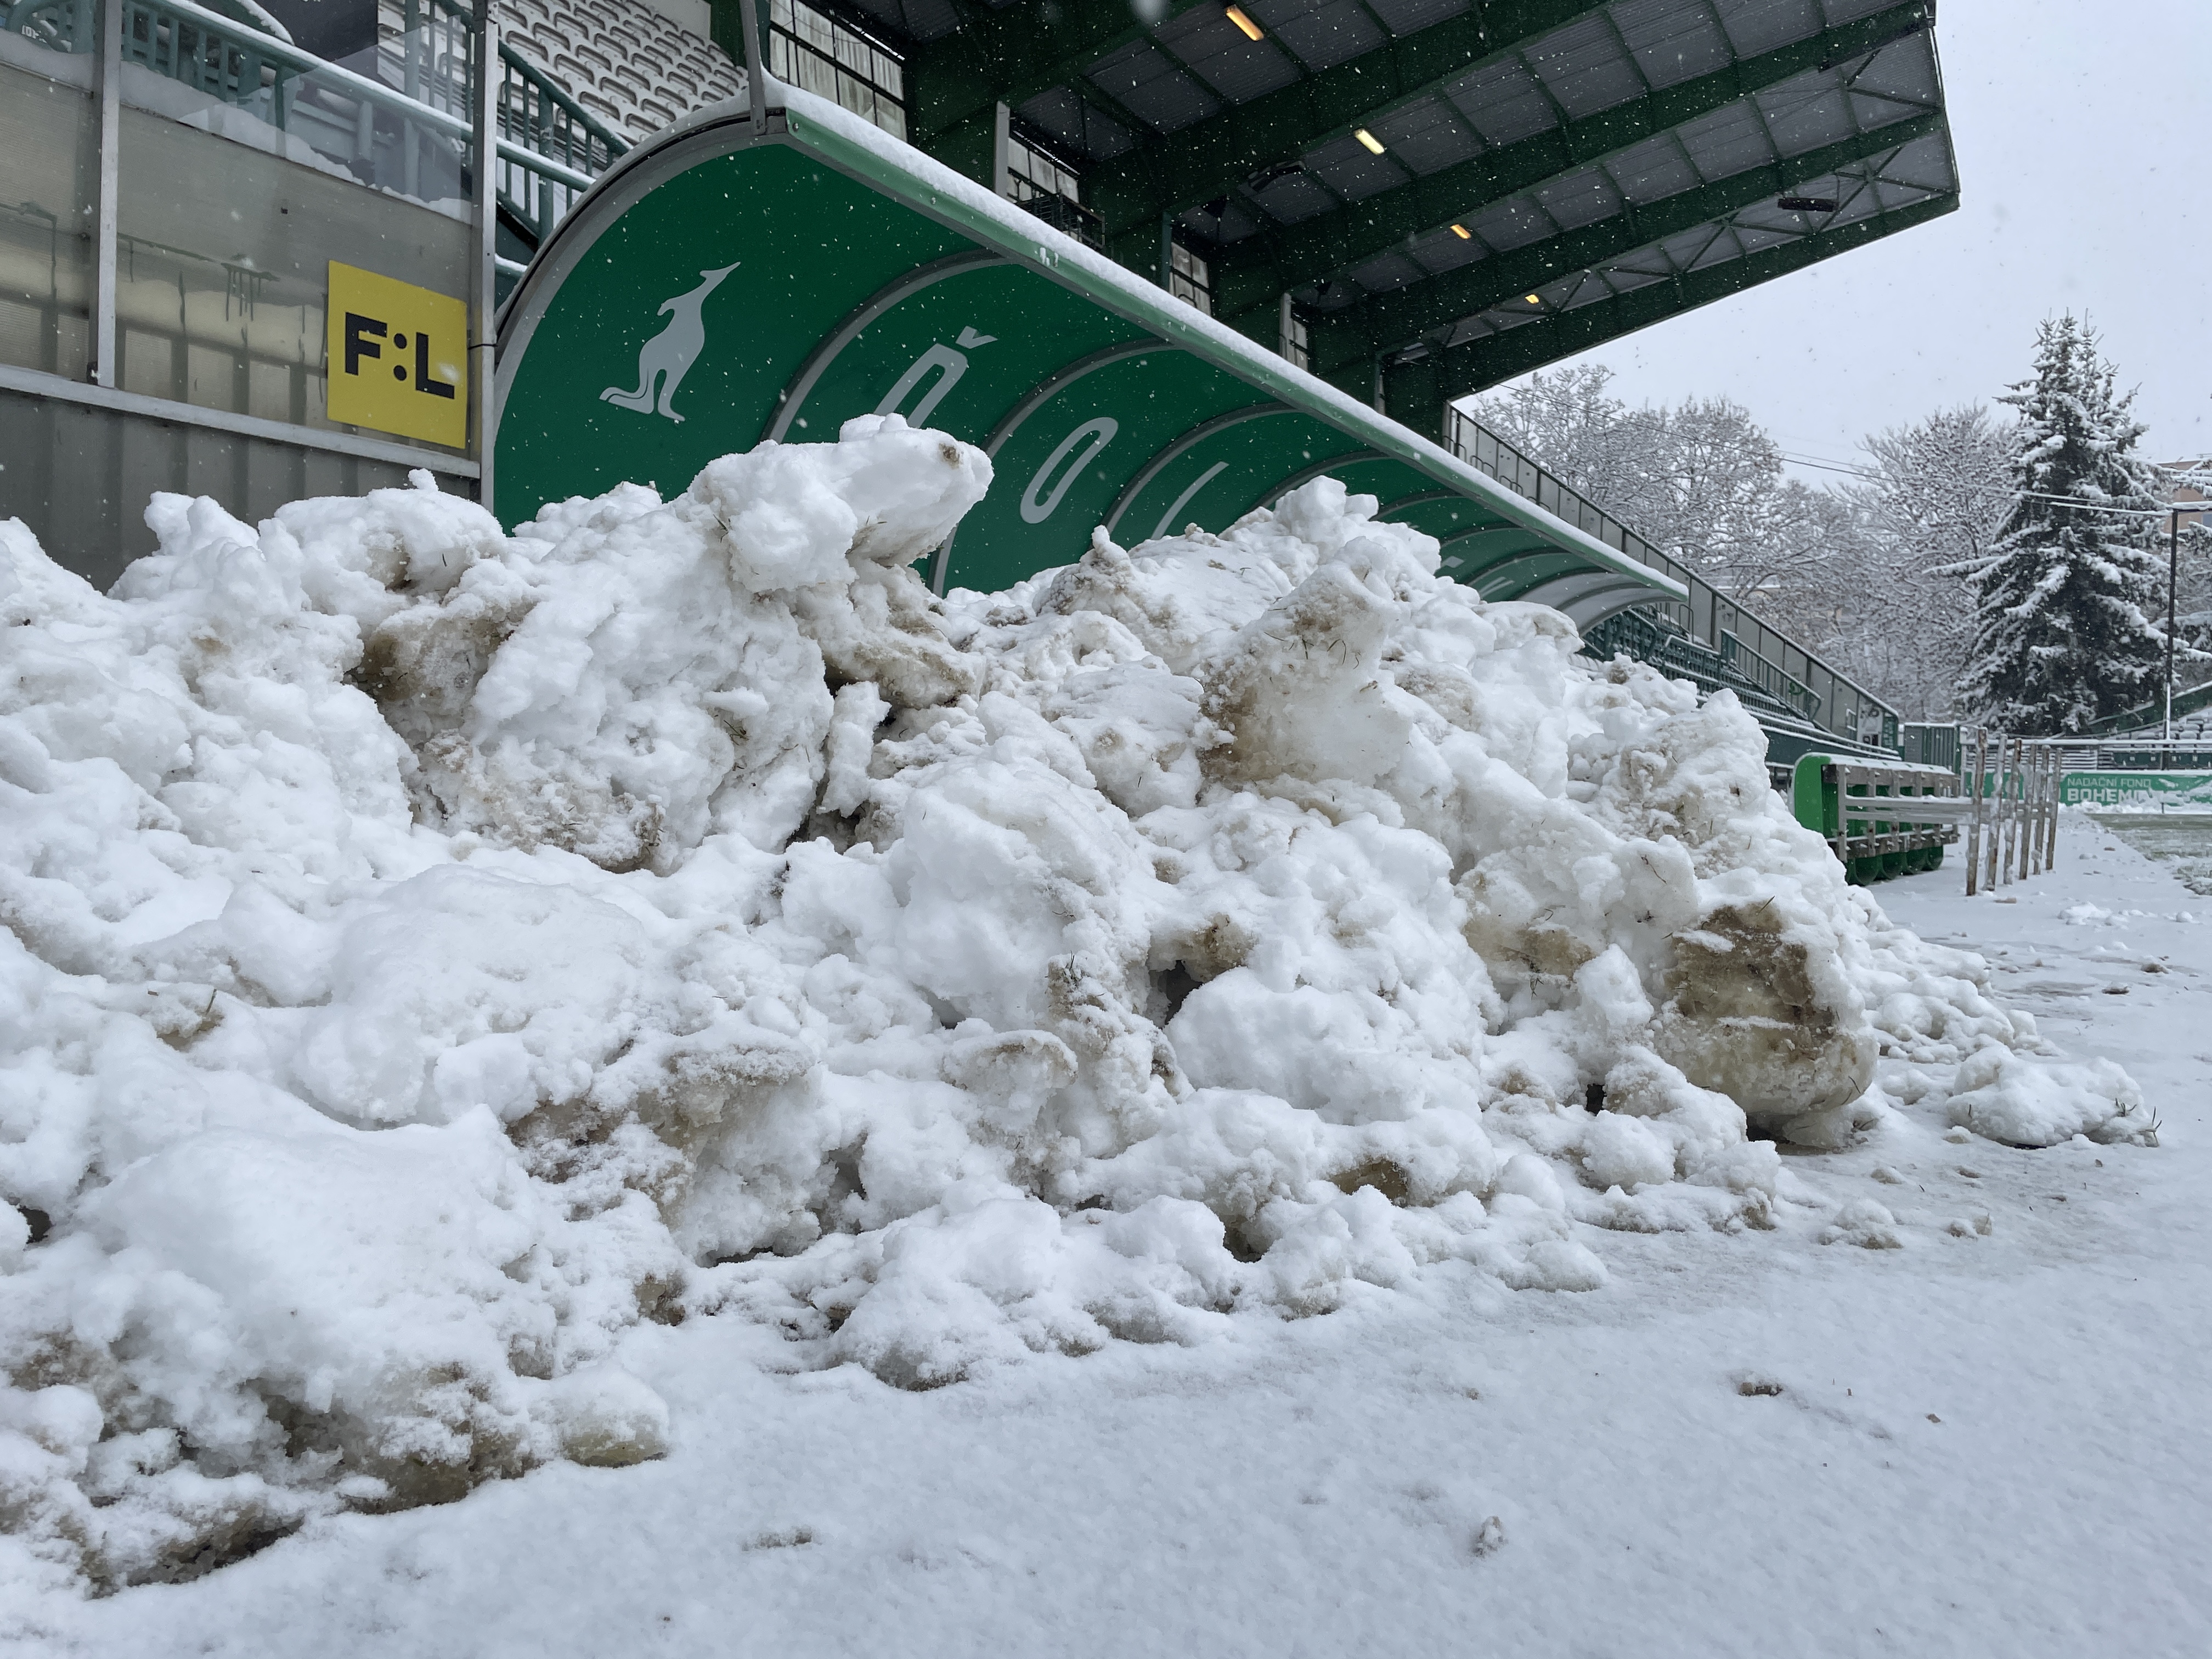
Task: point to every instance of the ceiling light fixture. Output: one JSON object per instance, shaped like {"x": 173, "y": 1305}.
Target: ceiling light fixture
{"x": 1462, "y": 233}
{"x": 1252, "y": 30}
{"x": 1532, "y": 299}
{"x": 1368, "y": 139}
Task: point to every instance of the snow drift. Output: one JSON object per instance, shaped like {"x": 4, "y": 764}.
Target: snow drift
{"x": 431, "y": 951}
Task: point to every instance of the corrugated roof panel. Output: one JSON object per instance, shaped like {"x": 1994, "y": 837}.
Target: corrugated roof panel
{"x": 1872, "y": 112}
{"x": 1347, "y": 167}
{"x": 1626, "y": 279}
{"x": 1217, "y": 52}
{"x": 1652, "y": 169}
{"x": 1845, "y": 11}
{"x": 1322, "y": 35}
{"x": 1503, "y": 102}
{"x": 1727, "y": 141}
{"x": 1153, "y": 87}
{"x": 1386, "y": 272}
{"x": 1722, "y": 249}
{"x": 1893, "y": 195}
{"x": 1757, "y": 25}
{"x": 1861, "y": 201}
{"x": 1672, "y": 41}
{"x": 1428, "y": 135}
{"x": 1581, "y": 198}
{"x": 1904, "y": 68}
{"x": 1587, "y": 289}
{"x": 1677, "y": 251}
{"x": 1442, "y": 251}
{"x": 1798, "y": 124}
{"x": 1406, "y": 17}
{"x": 1514, "y": 223}
{"x": 1925, "y": 163}
{"x": 1751, "y": 239}
{"x": 1585, "y": 67}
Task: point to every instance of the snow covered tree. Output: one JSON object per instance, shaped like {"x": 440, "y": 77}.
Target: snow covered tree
{"x": 1936, "y": 498}
{"x": 2063, "y": 634}
{"x": 1699, "y": 479}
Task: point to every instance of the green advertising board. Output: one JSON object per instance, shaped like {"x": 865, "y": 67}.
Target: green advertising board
{"x": 2140, "y": 791}
{"x": 737, "y": 279}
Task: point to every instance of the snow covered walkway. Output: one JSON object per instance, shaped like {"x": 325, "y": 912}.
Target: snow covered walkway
{"x": 1981, "y": 1445}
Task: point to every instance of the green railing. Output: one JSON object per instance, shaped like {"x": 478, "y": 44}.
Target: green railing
{"x": 1790, "y": 692}
{"x": 535, "y": 113}
{"x": 56, "y": 25}
{"x": 1763, "y": 657}
{"x": 1657, "y": 640}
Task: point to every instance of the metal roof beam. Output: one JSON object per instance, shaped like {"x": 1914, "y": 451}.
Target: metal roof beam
{"x": 1011, "y": 54}
{"x": 1170, "y": 172}
{"x": 1385, "y": 321}
{"x": 1253, "y": 273}
{"x": 1418, "y": 391}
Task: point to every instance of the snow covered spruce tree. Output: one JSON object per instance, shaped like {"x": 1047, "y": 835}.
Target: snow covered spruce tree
{"x": 2064, "y": 629}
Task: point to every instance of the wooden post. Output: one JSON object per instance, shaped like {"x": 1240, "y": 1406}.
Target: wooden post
{"x": 2057, "y": 792}
{"x": 2017, "y": 804}
{"x": 2050, "y": 807}
{"x": 2031, "y": 857}
{"x": 1975, "y": 775}
{"x": 2000, "y": 866}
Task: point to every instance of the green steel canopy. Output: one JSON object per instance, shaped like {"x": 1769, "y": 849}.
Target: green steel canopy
{"x": 771, "y": 273}
{"x": 1449, "y": 191}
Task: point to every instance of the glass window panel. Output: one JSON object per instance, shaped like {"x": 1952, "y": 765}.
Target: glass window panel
{"x": 49, "y": 183}
{"x": 225, "y": 309}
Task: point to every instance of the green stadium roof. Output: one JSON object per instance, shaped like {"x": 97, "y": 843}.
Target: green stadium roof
{"x": 1551, "y": 174}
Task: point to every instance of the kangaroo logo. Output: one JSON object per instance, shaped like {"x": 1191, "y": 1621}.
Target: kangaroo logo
{"x": 669, "y": 355}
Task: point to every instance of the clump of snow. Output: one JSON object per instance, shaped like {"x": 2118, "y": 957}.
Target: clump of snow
{"x": 2005, "y": 1097}
{"x": 430, "y": 953}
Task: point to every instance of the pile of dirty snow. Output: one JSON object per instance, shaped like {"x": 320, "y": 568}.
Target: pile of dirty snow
{"x": 431, "y": 951}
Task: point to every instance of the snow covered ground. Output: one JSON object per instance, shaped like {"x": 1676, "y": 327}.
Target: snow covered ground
{"x": 645, "y": 1087}
{"x": 1983, "y": 1445}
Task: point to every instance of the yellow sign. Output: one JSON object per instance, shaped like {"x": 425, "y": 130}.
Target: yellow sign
{"x": 398, "y": 357}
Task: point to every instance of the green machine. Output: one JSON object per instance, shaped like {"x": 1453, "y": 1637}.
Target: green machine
{"x": 1858, "y": 805}
{"x": 767, "y": 271}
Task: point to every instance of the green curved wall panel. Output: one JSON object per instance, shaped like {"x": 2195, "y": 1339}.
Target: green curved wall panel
{"x": 726, "y": 283}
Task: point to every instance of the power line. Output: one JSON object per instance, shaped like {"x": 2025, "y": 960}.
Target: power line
{"x": 2031, "y": 495}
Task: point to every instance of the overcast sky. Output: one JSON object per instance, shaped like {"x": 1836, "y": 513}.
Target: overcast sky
{"x": 2084, "y": 135}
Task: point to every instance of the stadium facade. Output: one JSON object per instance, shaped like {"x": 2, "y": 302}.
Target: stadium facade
{"x": 248, "y": 250}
